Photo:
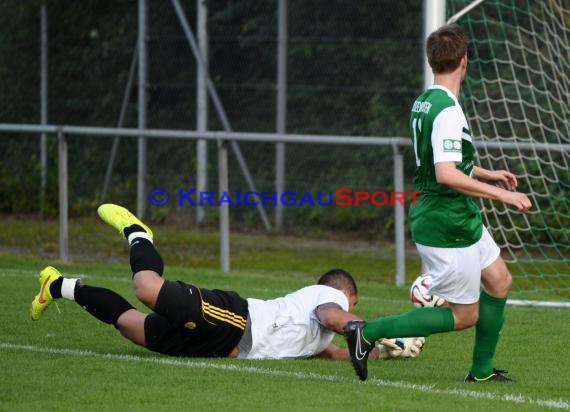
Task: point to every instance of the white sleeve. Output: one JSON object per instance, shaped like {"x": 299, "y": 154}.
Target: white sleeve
{"x": 331, "y": 295}
{"x": 326, "y": 295}
{"x": 446, "y": 135}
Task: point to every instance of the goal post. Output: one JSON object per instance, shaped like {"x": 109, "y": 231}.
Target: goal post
{"x": 516, "y": 96}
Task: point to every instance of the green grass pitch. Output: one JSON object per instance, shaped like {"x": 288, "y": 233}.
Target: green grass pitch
{"x": 69, "y": 361}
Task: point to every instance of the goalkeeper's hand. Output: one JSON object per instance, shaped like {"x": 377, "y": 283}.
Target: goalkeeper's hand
{"x": 400, "y": 347}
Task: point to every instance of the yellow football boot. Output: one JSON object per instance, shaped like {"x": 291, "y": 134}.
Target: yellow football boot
{"x": 44, "y": 298}
{"x": 120, "y": 218}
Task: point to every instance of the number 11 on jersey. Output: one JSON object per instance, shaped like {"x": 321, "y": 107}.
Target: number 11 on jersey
{"x": 416, "y": 128}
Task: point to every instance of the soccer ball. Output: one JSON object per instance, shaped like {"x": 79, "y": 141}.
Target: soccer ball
{"x": 420, "y": 296}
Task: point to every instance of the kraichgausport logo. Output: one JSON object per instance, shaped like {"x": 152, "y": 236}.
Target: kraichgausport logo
{"x": 342, "y": 197}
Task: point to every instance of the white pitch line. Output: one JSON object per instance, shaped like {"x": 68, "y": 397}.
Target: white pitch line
{"x": 431, "y": 389}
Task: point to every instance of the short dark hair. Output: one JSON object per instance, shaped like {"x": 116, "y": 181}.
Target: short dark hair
{"x": 445, "y": 48}
{"x": 339, "y": 279}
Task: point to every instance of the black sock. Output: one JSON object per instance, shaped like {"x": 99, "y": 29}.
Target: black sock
{"x": 55, "y": 288}
{"x": 132, "y": 229}
{"x": 145, "y": 257}
{"x": 102, "y": 303}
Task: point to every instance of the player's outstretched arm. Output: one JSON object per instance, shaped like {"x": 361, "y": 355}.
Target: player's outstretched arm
{"x": 448, "y": 175}
{"x": 501, "y": 178}
{"x": 385, "y": 349}
{"x": 333, "y": 317}
{"x": 335, "y": 353}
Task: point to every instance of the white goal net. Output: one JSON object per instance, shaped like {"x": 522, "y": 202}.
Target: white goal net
{"x": 517, "y": 99}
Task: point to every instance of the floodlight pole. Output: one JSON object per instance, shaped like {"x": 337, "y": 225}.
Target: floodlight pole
{"x": 224, "y": 222}
{"x": 142, "y": 118}
{"x": 399, "y": 217}
{"x": 280, "y": 149}
{"x": 43, "y": 103}
{"x": 434, "y": 17}
{"x": 63, "y": 197}
{"x": 202, "y": 107}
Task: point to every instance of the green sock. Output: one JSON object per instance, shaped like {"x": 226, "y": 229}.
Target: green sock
{"x": 487, "y": 331}
{"x": 418, "y": 322}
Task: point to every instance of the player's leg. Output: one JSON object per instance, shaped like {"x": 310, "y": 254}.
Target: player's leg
{"x": 104, "y": 304}
{"x": 146, "y": 263}
{"x": 147, "y": 284}
{"x": 455, "y": 277}
{"x": 178, "y": 306}
{"x": 417, "y": 322}
{"x": 361, "y": 335}
{"x": 131, "y": 324}
{"x": 497, "y": 281}
{"x": 464, "y": 316}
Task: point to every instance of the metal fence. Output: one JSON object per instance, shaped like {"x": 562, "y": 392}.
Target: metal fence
{"x": 397, "y": 144}
{"x": 285, "y": 70}
{"x": 259, "y": 67}
{"x": 222, "y": 139}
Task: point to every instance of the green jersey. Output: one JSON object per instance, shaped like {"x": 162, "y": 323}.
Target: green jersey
{"x": 442, "y": 217}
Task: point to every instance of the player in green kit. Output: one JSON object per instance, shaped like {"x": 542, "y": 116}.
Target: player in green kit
{"x": 446, "y": 224}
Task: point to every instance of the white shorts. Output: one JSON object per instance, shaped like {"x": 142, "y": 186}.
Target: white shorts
{"x": 456, "y": 272}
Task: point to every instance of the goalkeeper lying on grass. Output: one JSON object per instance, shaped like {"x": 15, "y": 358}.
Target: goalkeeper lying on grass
{"x": 195, "y": 322}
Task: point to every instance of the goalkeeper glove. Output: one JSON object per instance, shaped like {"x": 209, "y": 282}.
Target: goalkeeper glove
{"x": 400, "y": 347}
